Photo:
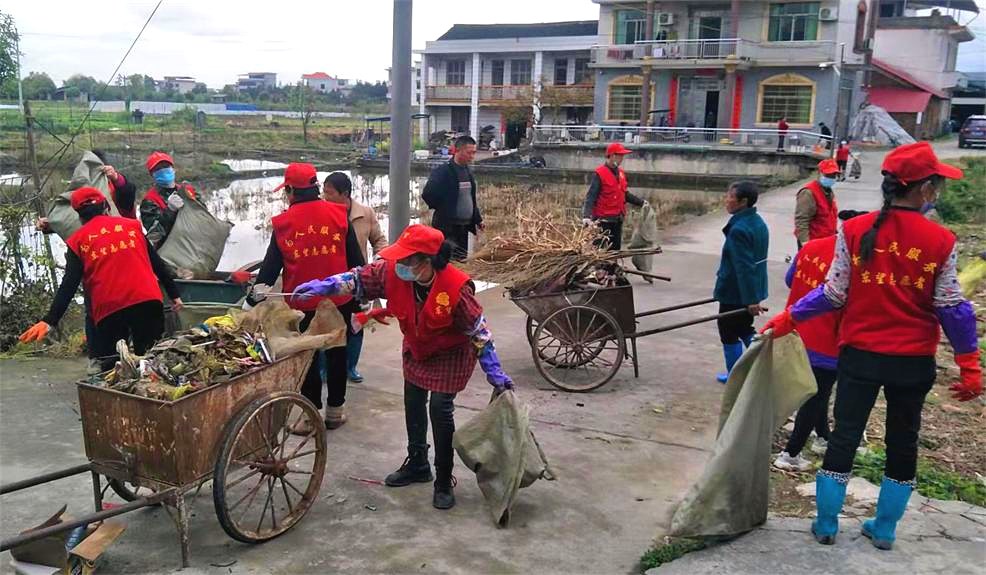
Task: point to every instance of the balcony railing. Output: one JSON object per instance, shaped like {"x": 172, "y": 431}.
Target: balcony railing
{"x": 505, "y": 93}
{"x": 567, "y": 94}
{"x": 673, "y": 52}
{"x": 460, "y": 93}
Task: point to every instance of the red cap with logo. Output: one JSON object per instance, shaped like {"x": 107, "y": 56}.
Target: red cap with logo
{"x": 617, "y": 148}
{"x": 86, "y": 196}
{"x": 915, "y": 162}
{"x": 416, "y": 239}
{"x": 828, "y": 167}
{"x": 156, "y": 158}
{"x": 299, "y": 176}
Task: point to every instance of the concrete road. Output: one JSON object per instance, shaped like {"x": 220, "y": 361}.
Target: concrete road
{"x": 623, "y": 454}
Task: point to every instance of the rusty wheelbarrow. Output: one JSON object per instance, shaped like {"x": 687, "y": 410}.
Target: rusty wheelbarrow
{"x": 236, "y": 434}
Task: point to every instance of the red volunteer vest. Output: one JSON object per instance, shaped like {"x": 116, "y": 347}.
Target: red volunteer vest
{"x": 842, "y": 153}
{"x": 612, "y": 200}
{"x": 153, "y": 195}
{"x": 820, "y": 334}
{"x": 427, "y": 331}
{"x": 116, "y": 270}
{"x": 826, "y": 220}
{"x": 312, "y": 239}
{"x": 889, "y": 308}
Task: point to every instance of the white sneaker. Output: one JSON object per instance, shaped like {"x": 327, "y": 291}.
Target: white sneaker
{"x": 819, "y": 445}
{"x": 787, "y": 463}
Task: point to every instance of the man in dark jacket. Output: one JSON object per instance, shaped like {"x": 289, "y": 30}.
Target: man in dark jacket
{"x": 451, "y": 192}
{"x": 741, "y": 282}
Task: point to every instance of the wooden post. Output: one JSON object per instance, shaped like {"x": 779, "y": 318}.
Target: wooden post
{"x": 38, "y": 202}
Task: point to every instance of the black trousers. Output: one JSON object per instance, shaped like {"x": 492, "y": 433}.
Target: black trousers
{"x": 613, "y": 230}
{"x": 905, "y": 380}
{"x": 441, "y": 407}
{"x": 814, "y": 414}
{"x": 780, "y": 143}
{"x": 734, "y": 328}
{"x": 335, "y": 359}
{"x": 142, "y": 324}
{"x": 458, "y": 234}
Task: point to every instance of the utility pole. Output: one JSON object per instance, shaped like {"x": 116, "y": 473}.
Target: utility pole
{"x": 646, "y": 69}
{"x": 838, "y": 135}
{"x": 20, "y": 83}
{"x": 872, "y": 14}
{"x": 38, "y": 203}
{"x": 400, "y": 119}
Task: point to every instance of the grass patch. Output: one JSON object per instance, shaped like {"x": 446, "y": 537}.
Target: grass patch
{"x": 669, "y": 551}
{"x": 963, "y": 201}
{"x": 932, "y": 481}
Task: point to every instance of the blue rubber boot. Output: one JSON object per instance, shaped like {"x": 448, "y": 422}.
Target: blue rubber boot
{"x": 881, "y": 530}
{"x": 732, "y": 353}
{"x": 830, "y": 492}
{"x": 354, "y": 345}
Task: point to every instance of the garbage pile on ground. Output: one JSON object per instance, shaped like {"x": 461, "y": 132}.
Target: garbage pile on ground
{"x": 545, "y": 256}
{"x": 221, "y": 348}
{"x": 874, "y": 125}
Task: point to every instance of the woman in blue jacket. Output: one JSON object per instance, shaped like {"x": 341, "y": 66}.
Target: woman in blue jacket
{"x": 741, "y": 282}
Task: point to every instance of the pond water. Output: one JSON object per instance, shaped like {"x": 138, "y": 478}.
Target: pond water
{"x": 253, "y": 165}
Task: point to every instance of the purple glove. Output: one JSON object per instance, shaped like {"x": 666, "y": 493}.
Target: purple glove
{"x": 332, "y": 285}
{"x": 490, "y": 364}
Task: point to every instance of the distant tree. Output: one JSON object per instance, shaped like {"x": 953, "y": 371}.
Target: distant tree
{"x": 8, "y": 56}
{"x": 367, "y": 92}
{"x": 200, "y": 88}
{"x": 82, "y": 83}
{"x": 38, "y": 86}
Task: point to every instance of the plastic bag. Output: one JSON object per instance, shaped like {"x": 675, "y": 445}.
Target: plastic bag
{"x": 62, "y": 219}
{"x": 196, "y": 241}
{"x": 644, "y": 237}
{"x": 281, "y": 324}
{"x": 499, "y": 446}
{"x": 771, "y": 380}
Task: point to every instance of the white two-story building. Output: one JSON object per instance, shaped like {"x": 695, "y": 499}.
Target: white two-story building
{"x": 507, "y": 76}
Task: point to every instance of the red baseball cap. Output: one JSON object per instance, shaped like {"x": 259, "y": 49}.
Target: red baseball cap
{"x": 299, "y": 176}
{"x": 416, "y": 239}
{"x": 915, "y": 162}
{"x": 156, "y": 158}
{"x": 828, "y": 167}
{"x": 617, "y": 148}
{"x": 86, "y": 196}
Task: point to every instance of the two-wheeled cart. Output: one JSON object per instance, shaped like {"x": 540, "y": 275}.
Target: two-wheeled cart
{"x": 580, "y": 338}
{"x": 237, "y": 434}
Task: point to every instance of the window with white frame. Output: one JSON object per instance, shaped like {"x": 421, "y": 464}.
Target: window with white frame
{"x": 624, "y": 103}
{"x": 582, "y": 71}
{"x": 793, "y": 22}
{"x": 786, "y": 96}
{"x": 455, "y": 72}
{"x": 520, "y": 72}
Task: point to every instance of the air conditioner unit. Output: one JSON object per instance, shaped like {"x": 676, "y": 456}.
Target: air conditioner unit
{"x": 665, "y": 18}
{"x": 828, "y": 14}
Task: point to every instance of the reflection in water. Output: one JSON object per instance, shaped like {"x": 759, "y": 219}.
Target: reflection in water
{"x": 253, "y": 165}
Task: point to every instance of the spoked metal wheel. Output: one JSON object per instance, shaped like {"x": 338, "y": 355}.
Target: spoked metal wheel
{"x": 266, "y": 478}
{"x": 551, "y": 358}
{"x": 578, "y": 348}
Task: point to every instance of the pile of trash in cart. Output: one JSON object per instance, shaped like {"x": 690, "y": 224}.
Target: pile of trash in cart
{"x": 222, "y": 348}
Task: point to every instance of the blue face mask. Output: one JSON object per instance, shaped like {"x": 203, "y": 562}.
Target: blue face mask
{"x": 165, "y": 177}
{"x": 405, "y": 272}
{"x": 827, "y": 182}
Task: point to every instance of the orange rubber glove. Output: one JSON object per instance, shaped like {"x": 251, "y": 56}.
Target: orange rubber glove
{"x": 379, "y": 315}
{"x": 971, "y": 384}
{"x": 36, "y": 332}
{"x": 779, "y": 325}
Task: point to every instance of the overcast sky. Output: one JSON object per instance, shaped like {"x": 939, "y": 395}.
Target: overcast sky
{"x": 215, "y": 40}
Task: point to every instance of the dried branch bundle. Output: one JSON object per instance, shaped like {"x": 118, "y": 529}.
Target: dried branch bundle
{"x": 545, "y": 255}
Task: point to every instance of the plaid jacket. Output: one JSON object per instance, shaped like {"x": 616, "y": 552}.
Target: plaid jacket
{"x": 446, "y": 372}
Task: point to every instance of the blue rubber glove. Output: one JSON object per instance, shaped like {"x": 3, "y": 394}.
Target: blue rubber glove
{"x": 332, "y": 285}
{"x": 490, "y": 363}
